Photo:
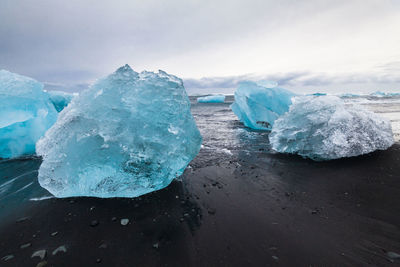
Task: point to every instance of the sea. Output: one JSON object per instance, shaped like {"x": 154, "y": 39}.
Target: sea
{"x": 223, "y": 136}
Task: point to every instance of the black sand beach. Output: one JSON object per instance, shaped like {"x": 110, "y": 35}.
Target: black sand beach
{"x": 238, "y": 204}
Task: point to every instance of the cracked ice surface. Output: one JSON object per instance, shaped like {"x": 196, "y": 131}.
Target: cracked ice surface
{"x": 128, "y": 134}
{"x": 25, "y": 114}
{"x": 324, "y": 128}
{"x": 258, "y": 105}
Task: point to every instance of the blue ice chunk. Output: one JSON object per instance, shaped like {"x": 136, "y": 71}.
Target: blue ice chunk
{"x": 348, "y": 95}
{"x": 60, "y": 99}
{"x": 325, "y": 127}
{"x": 378, "y": 94}
{"x": 127, "y": 135}
{"x": 258, "y": 105}
{"x": 25, "y": 114}
{"x": 384, "y": 94}
{"x": 211, "y": 99}
{"x": 318, "y": 94}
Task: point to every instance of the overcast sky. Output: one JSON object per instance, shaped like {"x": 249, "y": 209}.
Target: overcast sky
{"x": 317, "y": 45}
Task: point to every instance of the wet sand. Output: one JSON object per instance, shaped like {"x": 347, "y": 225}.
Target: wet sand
{"x": 246, "y": 209}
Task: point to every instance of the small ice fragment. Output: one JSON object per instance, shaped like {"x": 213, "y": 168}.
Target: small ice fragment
{"x": 22, "y": 219}
{"x": 59, "y": 249}
{"x": 124, "y": 221}
{"x": 393, "y": 255}
{"x": 54, "y": 233}
{"x": 40, "y": 253}
{"x": 103, "y": 245}
{"x": 226, "y": 151}
{"x": 25, "y": 245}
{"x": 41, "y": 198}
{"x": 8, "y": 257}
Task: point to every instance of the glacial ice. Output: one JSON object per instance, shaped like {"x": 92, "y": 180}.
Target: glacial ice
{"x": 25, "y": 114}
{"x": 348, "y": 95}
{"x": 60, "y": 99}
{"x": 128, "y": 134}
{"x": 324, "y": 128}
{"x": 211, "y": 99}
{"x": 319, "y": 94}
{"x": 384, "y": 94}
{"x": 259, "y": 104}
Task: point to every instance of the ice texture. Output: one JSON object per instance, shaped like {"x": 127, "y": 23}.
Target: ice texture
{"x": 259, "y": 104}
{"x": 384, "y": 94}
{"x": 319, "y": 94}
{"x": 126, "y": 135}
{"x": 25, "y": 114}
{"x": 348, "y": 95}
{"x": 324, "y": 128}
{"x": 60, "y": 99}
{"x": 211, "y": 99}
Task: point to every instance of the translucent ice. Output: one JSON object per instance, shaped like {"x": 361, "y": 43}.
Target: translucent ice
{"x": 383, "y": 94}
{"x": 127, "y": 135}
{"x": 60, "y": 99}
{"x": 25, "y": 114}
{"x": 211, "y": 99}
{"x": 324, "y": 128}
{"x": 258, "y": 105}
{"x": 318, "y": 94}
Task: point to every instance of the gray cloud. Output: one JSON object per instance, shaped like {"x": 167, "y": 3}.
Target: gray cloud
{"x": 69, "y": 44}
{"x": 304, "y": 82}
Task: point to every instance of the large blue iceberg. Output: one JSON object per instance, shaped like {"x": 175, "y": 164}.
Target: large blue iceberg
{"x": 324, "y": 128}
{"x": 25, "y": 114}
{"x": 259, "y": 104}
{"x": 128, "y": 134}
{"x": 211, "y": 99}
{"x": 60, "y": 99}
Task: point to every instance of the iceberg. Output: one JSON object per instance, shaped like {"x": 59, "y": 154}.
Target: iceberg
{"x": 26, "y": 112}
{"x": 259, "y": 104}
{"x": 348, "y": 95}
{"x": 325, "y": 128}
{"x": 318, "y": 94}
{"x": 378, "y": 94}
{"x": 211, "y": 99}
{"x": 60, "y": 99}
{"x": 384, "y": 94}
{"x": 127, "y": 135}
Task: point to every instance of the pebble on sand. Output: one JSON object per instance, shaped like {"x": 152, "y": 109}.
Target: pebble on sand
{"x": 41, "y": 264}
